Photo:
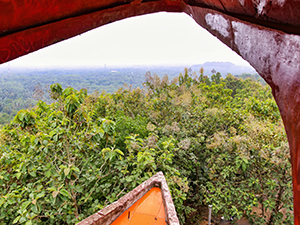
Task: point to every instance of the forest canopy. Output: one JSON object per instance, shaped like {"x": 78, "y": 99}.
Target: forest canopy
{"x": 219, "y": 141}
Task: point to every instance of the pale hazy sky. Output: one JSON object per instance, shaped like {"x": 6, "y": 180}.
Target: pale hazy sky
{"x": 160, "y": 38}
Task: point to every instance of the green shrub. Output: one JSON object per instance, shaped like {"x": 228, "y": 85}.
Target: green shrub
{"x": 219, "y": 141}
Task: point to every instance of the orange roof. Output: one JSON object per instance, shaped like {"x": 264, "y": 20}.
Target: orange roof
{"x": 149, "y": 210}
{"x": 148, "y": 204}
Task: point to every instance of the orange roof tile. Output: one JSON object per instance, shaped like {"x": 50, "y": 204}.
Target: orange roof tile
{"x": 148, "y": 204}
{"x": 149, "y": 210}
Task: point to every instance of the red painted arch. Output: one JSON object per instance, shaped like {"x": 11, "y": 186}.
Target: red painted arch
{"x": 264, "y": 32}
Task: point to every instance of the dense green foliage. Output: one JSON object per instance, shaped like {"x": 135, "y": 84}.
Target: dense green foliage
{"x": 218, "y": 141}
{"x": 20, "y": 89}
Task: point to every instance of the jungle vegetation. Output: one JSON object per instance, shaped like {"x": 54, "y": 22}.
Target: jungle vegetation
{"x": 22, "y": 88}
{"x": 218, "y": 141}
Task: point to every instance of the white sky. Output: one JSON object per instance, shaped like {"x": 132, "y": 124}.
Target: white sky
{"x": 159, "y": 39}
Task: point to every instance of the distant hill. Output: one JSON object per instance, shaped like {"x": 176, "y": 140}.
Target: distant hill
{"x": 224, "y": 68}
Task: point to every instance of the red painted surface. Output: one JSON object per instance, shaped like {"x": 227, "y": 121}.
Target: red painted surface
{"x": 276, "y": 57}
{"x": 25, "y": 41}
{"x": 28, "y": 25}
{"x": 19, "y": 14}
{"x": 285, "y": 12}
{"x": 149, "y": 210}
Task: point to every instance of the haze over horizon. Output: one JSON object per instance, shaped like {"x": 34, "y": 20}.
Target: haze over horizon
{"x": 155, "y": 39}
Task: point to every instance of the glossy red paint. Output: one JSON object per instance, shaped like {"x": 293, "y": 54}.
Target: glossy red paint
{"x": 29, "y": 25}
{"x": 264, "y": 32}
{"x": 18, "y": 43}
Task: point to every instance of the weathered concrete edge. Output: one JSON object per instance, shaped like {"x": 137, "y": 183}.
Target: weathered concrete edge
{"x": 107, "y": 215}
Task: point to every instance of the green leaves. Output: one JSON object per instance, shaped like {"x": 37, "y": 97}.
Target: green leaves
{"x": 67, "y": 171}
{"x": 56, "y": 91}
{"x": 64, "y": 192}
{"x": 56, "y": 192}
{"x": 110, "y": 153}
{"x": 241, "y": 163}
{"x": 218, "y": 141}
{"x": 25, "y": 118}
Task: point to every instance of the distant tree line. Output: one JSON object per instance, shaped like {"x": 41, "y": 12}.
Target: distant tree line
{"x": 219, "y": 141}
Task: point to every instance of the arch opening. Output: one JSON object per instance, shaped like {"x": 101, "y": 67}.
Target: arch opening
{"x": 274, "y": 54}
{"x": 155, "y": 39}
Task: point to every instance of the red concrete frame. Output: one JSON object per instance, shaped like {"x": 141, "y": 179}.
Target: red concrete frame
{"x": 265, "y": 33}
